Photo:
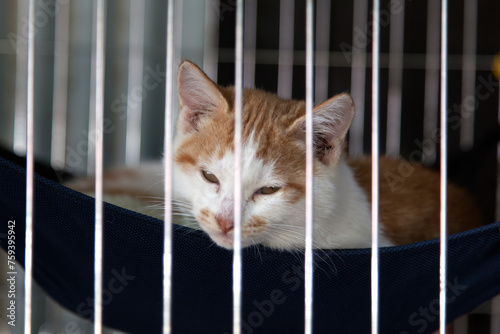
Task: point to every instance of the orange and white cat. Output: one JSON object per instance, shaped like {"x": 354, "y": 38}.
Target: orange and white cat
{"x": 273, "y": 175}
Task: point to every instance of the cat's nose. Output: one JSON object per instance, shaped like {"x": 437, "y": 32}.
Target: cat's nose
{"x": 226, "y": 224}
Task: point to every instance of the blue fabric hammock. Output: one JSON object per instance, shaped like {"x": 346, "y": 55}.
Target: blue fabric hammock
{"x": 273, "y": 281}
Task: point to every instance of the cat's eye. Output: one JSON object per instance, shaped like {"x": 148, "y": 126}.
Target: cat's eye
{"x": 210, "y": 177}
{"x": 268, "y": 190}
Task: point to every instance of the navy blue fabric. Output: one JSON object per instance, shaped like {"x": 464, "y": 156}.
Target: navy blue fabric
{"x": 273, "y": 281}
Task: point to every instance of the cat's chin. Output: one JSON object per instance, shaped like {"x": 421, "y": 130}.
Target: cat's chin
{"x": 226, "y": 240}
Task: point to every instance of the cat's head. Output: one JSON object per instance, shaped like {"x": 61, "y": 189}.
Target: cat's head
{"x": 273, "y": 171}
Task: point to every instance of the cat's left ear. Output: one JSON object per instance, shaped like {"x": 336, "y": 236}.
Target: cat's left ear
{"x": 331, "y": 121}
{"x": 198, "y": 97}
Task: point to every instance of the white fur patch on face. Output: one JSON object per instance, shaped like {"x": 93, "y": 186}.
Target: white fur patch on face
{"x": 213, "y": 203}
{"x": 256, "y": 173}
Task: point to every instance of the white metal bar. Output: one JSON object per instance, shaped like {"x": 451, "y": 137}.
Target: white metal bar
{"x": 30, "y": 147}
{"x": 358, "y": 77}
{"x": 19, "y": 145}
{"x": 468, "y": 75}
{"x": 238, "y": 142}
{"x": 60, "y": 94}
{"x": 92, "y": 98}
{"x": 322, "y": 51}
{"x": 431, "y": 94}
{"x": 135, "y": 73}
{"x": 168, "y": 144}
{"x": 99, "y": 156}
{"x": 285, "y": 58}
{"x": 211, "y": 40}
{"x": 309, "y": 274}
{"x": 375, "y": 168}
{"x": 394, "y": 95}
{"x": 443, "y": 166}
{"x": 250, "y": 32}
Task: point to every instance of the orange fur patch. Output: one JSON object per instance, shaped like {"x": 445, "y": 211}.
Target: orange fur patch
{"x": 255, "y": 226}
{"x": 409, "y": 201}
{"x": 206, "y": 216}
{"x": 257, "y": 222}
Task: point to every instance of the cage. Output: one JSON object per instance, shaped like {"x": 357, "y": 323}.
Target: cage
{"x": 404, "y": 37}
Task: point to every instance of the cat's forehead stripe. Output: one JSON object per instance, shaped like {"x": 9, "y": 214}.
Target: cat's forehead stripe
{"x": 266, "y": 121}
{"x": 185, "y": 158}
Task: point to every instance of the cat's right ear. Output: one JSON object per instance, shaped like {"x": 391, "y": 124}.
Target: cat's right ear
{"x": 198, "y": 96}
{"x": 331, "y": 121}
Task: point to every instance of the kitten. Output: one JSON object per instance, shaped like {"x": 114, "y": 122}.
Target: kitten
{"x": 273, "y": 175}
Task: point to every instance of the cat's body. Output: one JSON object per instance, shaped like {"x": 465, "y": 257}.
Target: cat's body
{"x": 274, "y": 175}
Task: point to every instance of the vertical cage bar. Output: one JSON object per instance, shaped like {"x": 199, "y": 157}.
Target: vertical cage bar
{"x": 375, "y": 167}
{"x": 211, "y": 40}
{"x": 395, "y": 80}
{"x": 250, "y": 32}
{"x": 431, "y": 94}
{"x": 322, "y": 49}
{"x": 99, "y": 156}
{"x": 467, "y": 111}
{"x": 309, "y": 274}
{"x": 92, "y": 98}
{"x": 20, "y": 118}
{"x": 358, "y": 77}
{"x": 238, "y": 142}
{"x": 443, "y": 166}
{"x": 285, "y": 58}
{"x": 60, "y": 95}
{"x": 169, "y": 94}
{"x": 30, "y": 147}
{"x": 135, "y": 72}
